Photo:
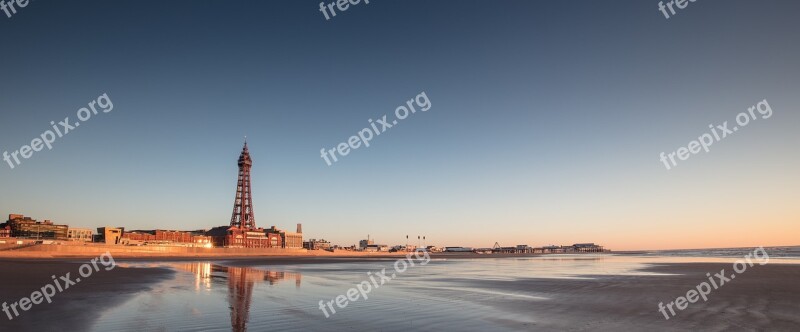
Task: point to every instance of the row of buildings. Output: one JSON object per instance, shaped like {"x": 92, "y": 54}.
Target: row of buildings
{"x": 20, "y": 226}
{"x": 26, "y": 228}
{"x": 215, "y": 237}
{"x": 526, "y": 249}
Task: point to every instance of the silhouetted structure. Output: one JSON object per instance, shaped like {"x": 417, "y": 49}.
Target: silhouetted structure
{"x": 243, "y": 216}
{"x": 242, "y": 232}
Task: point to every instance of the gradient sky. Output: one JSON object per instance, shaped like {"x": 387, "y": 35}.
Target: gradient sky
{"x": 547, "y": 122}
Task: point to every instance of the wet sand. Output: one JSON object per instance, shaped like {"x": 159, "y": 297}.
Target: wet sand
{"x": 315, "y": 256}
{"x": 75, "y": 308}
{"x": 71, "y": 250}
{"x": 763, "y": 298}
{"x": 74, "y": 251}
{"x": 314, "y": 259}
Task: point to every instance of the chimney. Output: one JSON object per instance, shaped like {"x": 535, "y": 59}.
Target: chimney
{"x": 300, "y": 228}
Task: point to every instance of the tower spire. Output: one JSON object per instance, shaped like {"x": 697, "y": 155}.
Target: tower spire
{"x": 243, "y": 216}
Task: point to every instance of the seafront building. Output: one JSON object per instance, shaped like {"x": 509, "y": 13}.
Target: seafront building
{"x": 25, "y": 227}
{"x": 369, "y": 245}
{"x": 458, "y": 249}
{"x": 80, "y": 234}
{"x": 575, "y": 248}
{"x": 315, "y": 244}
{"x": 160, "y": 237}
{"x": 376, "y": 248}
{"x": 363, "y": 244}
{"x": 109, "y": 235}
{"x": 588, "y": 247}
{"x": 5, "y": 231}
{"x": 290, "y": 240}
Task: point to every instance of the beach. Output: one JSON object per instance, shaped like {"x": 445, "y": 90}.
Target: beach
{"x": 348, "y": 165}
{"x": 452, "y": 293}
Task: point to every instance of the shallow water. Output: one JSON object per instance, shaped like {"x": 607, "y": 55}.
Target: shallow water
{"x": 450, "y": 295}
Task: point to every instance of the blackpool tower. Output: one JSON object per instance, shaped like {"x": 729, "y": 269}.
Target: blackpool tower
{"x": 243, "y": 216}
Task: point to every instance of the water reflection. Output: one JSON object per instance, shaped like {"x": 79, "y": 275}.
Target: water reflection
{"x": 241, "y": 281}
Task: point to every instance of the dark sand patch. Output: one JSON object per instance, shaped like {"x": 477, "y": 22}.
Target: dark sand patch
{"x": 76, "y": 308}
{"x": 762, "y": 298}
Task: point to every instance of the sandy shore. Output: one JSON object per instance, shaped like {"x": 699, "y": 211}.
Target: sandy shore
{"x": 75, "y": 308}
{"x": 70, "y": 250}
{"x": 53, "y": 252}
{"x": 763, "y": 298}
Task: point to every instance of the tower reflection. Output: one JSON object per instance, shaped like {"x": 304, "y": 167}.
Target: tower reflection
{"x": 241, "y": 282}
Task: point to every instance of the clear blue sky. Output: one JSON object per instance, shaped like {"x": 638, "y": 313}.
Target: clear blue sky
{"x": 547, "y": 122}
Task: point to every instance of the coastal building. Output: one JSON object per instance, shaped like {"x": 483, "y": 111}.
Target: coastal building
{"x": 80, "y": 234}
{"x": 25, "y": 227}
{"x": 402, "y": 247}
{"x": 483, "y": 250}
{"x": 363, "y": 244}
{"x": 519, "y": 249}
{"x": 315, "y": 244}
{"x": 109, "y": 235}
{"x": 457, "y": 249}
{"x": 376, "y": 248}
{"x": 575, "y": 248}
{"x": 524, "y": 249}
{"x": 232, "y": 237}
{"x": 293, "y": 240}
{"x": 551, "y": 249}
{"x": 167, "y": 238}
{"x": 587, "y": 247}
{"x": 336, "y": 247}
{"x": 5, "y": 231}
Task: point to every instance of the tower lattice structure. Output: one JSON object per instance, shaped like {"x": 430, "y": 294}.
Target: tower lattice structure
{"x": 243, "y": 216}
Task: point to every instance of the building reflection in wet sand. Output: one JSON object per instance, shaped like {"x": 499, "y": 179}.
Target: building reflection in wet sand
{"x": 241, "y": 281}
